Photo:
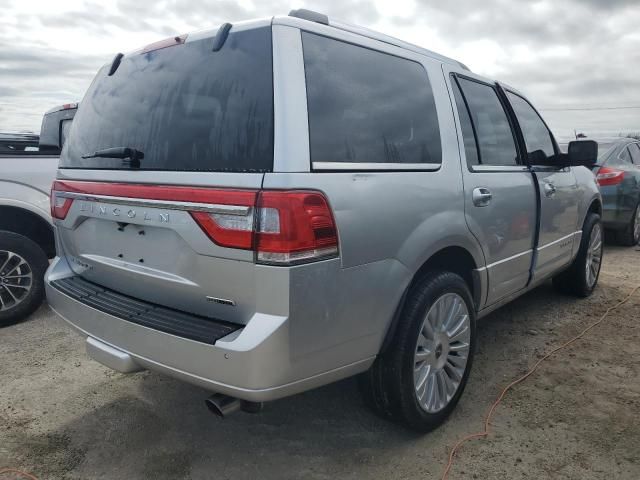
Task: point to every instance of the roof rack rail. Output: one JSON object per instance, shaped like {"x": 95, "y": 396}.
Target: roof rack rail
{"x": 310, "y": 15}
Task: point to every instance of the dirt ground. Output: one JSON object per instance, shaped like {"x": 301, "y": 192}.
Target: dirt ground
{"x": 63, "y": 415}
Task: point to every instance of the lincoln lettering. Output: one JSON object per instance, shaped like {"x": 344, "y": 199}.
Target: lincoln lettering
{"x": 117, "y": 212}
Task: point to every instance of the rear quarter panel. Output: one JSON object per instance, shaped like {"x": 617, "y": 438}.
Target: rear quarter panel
{"x": 25, "y": 182}
{"x": 587, "y": 192}
{"x": 389, "y": 223}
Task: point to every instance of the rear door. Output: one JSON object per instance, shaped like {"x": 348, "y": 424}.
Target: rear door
{"x": 500, "y": 198}
{"x": 557, "y": 187}
{"x": 175, "y": 231}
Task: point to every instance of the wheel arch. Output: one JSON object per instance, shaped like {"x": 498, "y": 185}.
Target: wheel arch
{"x": 595, "y": 207}
{"x": 29, "y": 224}
{"x": 455, "y": 259}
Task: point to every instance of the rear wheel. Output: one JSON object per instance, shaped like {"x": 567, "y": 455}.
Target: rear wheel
{"x": 421, "y": 377}
{"x": 22, "y": 267}
{"x": 631, "y": 234}
{"x": 582, "y": 276}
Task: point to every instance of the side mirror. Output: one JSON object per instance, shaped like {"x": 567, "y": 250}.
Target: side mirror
{"x": 582, "y": 153}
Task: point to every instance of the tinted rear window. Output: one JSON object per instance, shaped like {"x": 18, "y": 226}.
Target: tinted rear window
{"x": 185, "y": 107}
{"x": 494, "y": 134}
{"x": 367, "y": 106}
{"x": 470, "y": 147}
{"x": 634, "y": 149}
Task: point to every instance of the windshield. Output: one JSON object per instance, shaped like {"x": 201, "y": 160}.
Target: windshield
{"x": 186, "y": 107}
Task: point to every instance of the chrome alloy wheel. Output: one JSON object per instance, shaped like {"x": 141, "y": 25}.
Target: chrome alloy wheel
{"x": 594, "y": 255}
{"x": 442, "y": 352}
{"x": 16, "y": 279}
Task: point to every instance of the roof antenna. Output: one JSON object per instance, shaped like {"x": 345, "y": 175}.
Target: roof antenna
{"x": 116, "y": 63}
{"x": 221, "y": 36}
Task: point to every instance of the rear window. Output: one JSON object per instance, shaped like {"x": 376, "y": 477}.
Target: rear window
{"x": 184, "y": 107}
{"x": 367, "y": 106}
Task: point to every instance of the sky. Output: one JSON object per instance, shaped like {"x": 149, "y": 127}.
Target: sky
{"x": 578, "y": 61}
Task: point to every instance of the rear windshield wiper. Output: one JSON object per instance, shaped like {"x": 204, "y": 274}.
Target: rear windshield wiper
{"x": 130, "y": 156}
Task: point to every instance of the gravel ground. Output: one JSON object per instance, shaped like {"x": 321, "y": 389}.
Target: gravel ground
{"x": 64, "y": 416}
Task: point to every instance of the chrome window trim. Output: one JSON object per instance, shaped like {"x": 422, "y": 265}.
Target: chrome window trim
{"x": 239, "y": 210}
{"x": 429, "y": 167}
{"x": 499, "y": 168}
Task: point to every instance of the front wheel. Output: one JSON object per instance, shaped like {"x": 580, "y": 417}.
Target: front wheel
{"x": 422, "y": 375}
{"x": 582, "y": 276}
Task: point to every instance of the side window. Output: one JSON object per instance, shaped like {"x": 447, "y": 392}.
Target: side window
{"x": 634, "y": 148}
{"x": 366, "y": 106}
{"x": 536, "y": 135}
{"x": 65, "y": 125}
{"x": 625, "y": 157}
{"x": 468, "y": 137}
{"x": 494, "y": 135}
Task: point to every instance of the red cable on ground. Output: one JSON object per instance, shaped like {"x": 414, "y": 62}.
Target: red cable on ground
{"x": 16, "y": 471}
{"x": 487, "y": 420}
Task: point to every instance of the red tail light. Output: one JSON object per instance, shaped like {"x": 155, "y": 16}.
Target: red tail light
{"x": 283, "y": 227}
{"x": 60, "y": 204}
{"x": 294, "y": 226}
{"x": 609, "y": 176}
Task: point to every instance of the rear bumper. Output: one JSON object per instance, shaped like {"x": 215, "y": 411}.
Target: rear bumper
{"x": 253, "y": 363}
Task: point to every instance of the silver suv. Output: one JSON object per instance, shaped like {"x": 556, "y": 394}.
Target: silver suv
{"x": 278, "y": 204}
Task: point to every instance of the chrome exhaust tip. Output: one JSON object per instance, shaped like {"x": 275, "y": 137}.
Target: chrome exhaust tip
{"x": 223, "y": 405}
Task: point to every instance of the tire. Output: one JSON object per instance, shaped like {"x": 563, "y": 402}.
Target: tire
{"x": 22, "y": 267}
{"x": 630, "y": 236}
{"x": 440, "y": 355}
{"x": 576, "y": 280}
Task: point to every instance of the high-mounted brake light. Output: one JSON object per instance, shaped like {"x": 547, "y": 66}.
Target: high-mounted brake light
{"x": 167, "y": 42}
{"x": 609, "y": 176}
{"x": 282, "y": 227}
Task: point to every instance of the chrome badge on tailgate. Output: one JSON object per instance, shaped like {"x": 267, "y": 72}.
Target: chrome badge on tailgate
{"x": 119, "y": 212}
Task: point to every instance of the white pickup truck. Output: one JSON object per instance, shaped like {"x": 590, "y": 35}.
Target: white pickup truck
{"x": 28, "y": 165}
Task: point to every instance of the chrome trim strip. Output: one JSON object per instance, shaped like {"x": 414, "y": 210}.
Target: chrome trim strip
{"x": 221, "y": 301}
{"x": 508, "y": 259}
{"x": 375, "y": 166}
{"x": 499, "y": 168}
{"x": 239, "y": 210}
{"x": 559, "y": 240}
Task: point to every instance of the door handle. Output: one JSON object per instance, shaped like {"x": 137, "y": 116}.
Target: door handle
{"x": 481, "y": 196}
{"x": 549, "y": 189}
